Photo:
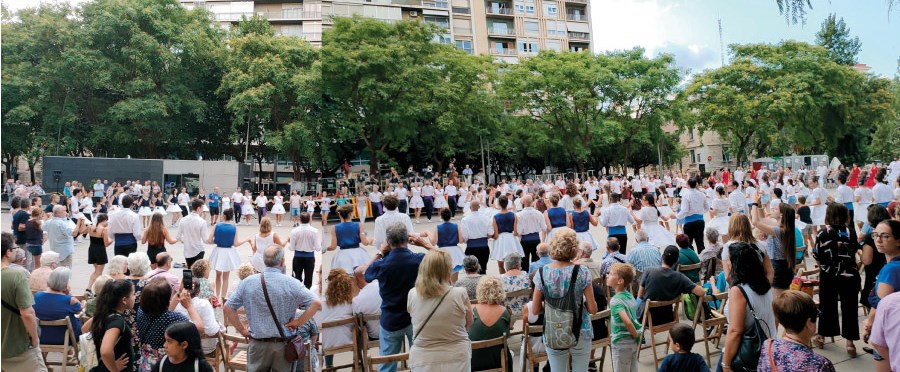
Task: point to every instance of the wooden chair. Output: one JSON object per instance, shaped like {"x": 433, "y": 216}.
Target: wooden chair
{"x": 234, "y": 360}
{"x": 602, "y": 343}
{"x": 400, "y": 359}
{"x": 351, "y": 347}
{"x": 684, "y": 268}
{"x": 529, "y": 357}
{"x": 714, "y": 327}
{"x": 654, "y": 329}
{"x": 511, "y": 296}
{"x": 69, "y": 342}
{"x": 215, "y": 357}
{"x": 363, "y": 337}
{"x": 484, "y": 344}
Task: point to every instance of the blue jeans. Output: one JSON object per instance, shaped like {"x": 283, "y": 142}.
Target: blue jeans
{"x": 391, "y": 342}
{"x": 559, "y": 359}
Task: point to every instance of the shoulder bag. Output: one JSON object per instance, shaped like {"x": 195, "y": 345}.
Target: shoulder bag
{"x": 755, "y": 334}
{"x": 290, "y": 350}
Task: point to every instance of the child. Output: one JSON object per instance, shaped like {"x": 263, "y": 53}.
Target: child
{"x": 681, "y": 339}
{"x": 805, "y": 215}
{"x": 183, "y": 350}
{"x": 200, "y": 269}
{"x": 623, "y": 324}
{"x": 34, "y": 235}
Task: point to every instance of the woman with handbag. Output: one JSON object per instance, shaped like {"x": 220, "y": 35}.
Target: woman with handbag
{"x": 440, "y": 317}
{"x": 749, "y": 310}
{"x": 797, "y": 313}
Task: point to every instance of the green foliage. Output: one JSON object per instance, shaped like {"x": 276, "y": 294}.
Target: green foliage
{"x": 835, "y": 36}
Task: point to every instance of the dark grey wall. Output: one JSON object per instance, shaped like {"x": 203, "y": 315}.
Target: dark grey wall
{"x": 86, "y": 169}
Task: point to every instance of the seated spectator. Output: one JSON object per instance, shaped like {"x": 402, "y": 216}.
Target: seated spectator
{"x": 336, "y": 305}
{"x": 543, "y": 252}
{"x": 55, "y": 304}
{"x": 200, "y": 269}
{"x": 681, "y": 340}
{"x": 535, "y": 340}
{"x": 49, "y": 262}
{"x": 117, "y": 267}
{"x": 154, "y": 316}
{"x": 710, "y": 256}
{"x": 205, "y": 309}
{"x": 244, "y": 271}
{"x": 163, "y": 265}
{"x": 613, "y": 256}
{"x": 491, "y": 320}
{"x": 367, "y": 301}
{"x": 797, "y": 313}
{"x": 687, "y": 256}
{"x": 644, "y": 255}
{"x": 514, "y": 279}
{"x": 19, "y": 262}
{"x": 470, "y": 281}
{"x": 90, "y": 297}
{"x": 183, "y": 350}
{"x": 585, "y": 249}
{"x": 665, "y": 284}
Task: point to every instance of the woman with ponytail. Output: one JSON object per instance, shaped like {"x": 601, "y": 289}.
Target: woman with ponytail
{"x": 111, "y": 333}
{"x": 780, "y": 241}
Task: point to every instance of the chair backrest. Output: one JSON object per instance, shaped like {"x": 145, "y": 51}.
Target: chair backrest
{"x": 484, "y": 344}
{"x": 354, "y": 329}
{"x": 654, "y": 304}
{"x": 376, "y": 360}
{"x": 69, "y": 339}
{"x": 684, "y": 268}
{"x": 807, "y": 274}
{"x": 239, "y": 340}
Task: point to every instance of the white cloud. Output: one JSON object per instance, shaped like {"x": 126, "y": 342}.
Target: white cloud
{"x": 620, "y": 24}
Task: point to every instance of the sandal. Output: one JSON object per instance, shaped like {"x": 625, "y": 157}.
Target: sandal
{"x": 819, "y": 342}
{"x": 851, "y": 350}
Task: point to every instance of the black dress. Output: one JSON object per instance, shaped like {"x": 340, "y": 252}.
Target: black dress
{"x": 97, "y": 251}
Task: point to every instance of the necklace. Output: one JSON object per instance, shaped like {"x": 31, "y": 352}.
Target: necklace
{"x": 796, "y": 341}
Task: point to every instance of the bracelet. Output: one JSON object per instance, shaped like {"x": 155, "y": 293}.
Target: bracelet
{"x": 725, "y": 366}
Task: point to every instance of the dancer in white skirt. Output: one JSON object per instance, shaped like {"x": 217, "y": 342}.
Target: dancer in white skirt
{"x": 863, "y": 196}
{"x": 348, "y": 237}
{"x": 224, "y": 257}
{"x": 202, "y": 196}
{"x": 439, "y": 201}
{"x": 649, "y": 217}
{"x": 662, "y": 203}
{"x": 278, "y": 207}
{"x": 447, "y": 237}
{"x": 158, "y": 202}
{"x": 362, "y": 206}
{"x": 582, "y": 221}
{"x": 173, "y": 208}
{"x": 145, "y": 212}
{"x": 555, "y": 216}
{"x": 247, "y": 207}
{"x": 719, "y": 212}
{"x": 817, "y": 199}
{"x": 416, "y": 203}
{"x": 505, "y": 241}
{"x": 264, "y": 239}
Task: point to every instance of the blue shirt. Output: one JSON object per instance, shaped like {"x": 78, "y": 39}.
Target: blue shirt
{"x": 644, "y": 256}
{"x": 889, "y": 274}
{"x": 21, "y": 217}
{"x": 536, "y": 265}
{"x": 59, "y": 236}
{"x": 287, "y": 295}
{"x": 683, "y": 362}
{"x": 396, "y": 275}
{"x": 347, "y": 235}
{"x": 214, "y": 200}
{"x": 55, "y": 306}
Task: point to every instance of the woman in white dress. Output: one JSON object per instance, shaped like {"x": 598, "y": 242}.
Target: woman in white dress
{"x": 326, "y": 204}
{"x": 247, "y": 207}
{"x": 416, "y": 203}
{"x": 202, "y": 195}
{"x": 505, "y": 241}
{"x": 264, "y": 239}
{"x": 144, "y": 211}
{"x": 439, "y": 201}
{"x": 348, "y": 237}
{"x": 719, "y": 212}
{"x": 362, "y": 205}
{"x": 261, "y": 206}
{"x": 864, "y": 198}
{"x": 277, "y": 207}
{"x": 224, "y": 257}
{"x": 226, "y": 203}
{"x": 663, "y": 203}
{"x": 649, "y": 217}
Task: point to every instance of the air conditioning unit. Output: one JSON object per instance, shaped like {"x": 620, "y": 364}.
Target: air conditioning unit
{"x": 413, "y": 13}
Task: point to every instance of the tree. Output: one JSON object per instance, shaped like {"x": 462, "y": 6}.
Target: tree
{"x": 795, "y": 10}
{"x": 835, "y": 36}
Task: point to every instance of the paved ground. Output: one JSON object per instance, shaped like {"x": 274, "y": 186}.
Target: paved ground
{"x": 82, "y": 270}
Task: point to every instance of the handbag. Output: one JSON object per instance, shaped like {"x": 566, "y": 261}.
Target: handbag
{"x": 430, "y": 315}
{"x": 747, "y": 357}
{"x": 291, "y": 354}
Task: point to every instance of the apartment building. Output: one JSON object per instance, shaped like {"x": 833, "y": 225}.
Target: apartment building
{"x": 505, "y": 29}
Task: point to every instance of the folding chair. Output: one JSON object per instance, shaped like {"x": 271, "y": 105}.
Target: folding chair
{"x": 813, "y": 282}
{"x": 484, "y": 344}
{"x": 364, "y": 342}
{"x": 647, "y": 323}
{"x": 512, "y": 296}
{"x": 400, "y": 359}
{"x": 69, "y": 342}
{"x": 215, "y": 357}
{"x": 529, "y": 357}
{"x": 714, "y": 327}
{"x": 602, "y": 343}
{"x": 351, "y": 347}
{"x": 684, "y": 268}
{"x": 234, "y": 361}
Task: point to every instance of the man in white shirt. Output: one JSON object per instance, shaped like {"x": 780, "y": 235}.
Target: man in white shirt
{"x": 821, "y": 171}
{"x": 428, "y": 199}
{"x": 844, "y": 194}
{"x": 237, "y": 198}
{"x": 614, "y": 218}
{"x": 184, "y": 201}
{"x": 739, "y": 175}
{"x": 125, "y": 228}
{"x": 98, "y": 191}
{"x": 476, "y": 228}
{"x": 193, "y": 231}
{"x": 693, "y": 205}
{"x": 305, "y": 241}
{"x": 530, "y": 225}
{"x": 736, "y": 198}
{"x": 390, "y": 217}
{"x": 450, "y": 191}
{"x": 895, "y": 171}
{"x": 367, "y": 301}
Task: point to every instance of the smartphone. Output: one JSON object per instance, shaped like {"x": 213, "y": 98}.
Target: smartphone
{"x": 187, "y": 279}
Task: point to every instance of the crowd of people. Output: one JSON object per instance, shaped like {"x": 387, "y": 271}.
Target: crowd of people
{"x": 749, "y": 231}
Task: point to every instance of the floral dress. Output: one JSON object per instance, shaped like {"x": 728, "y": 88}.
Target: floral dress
{"x": 512, "y": 284}
{"x": 786, "y": 353}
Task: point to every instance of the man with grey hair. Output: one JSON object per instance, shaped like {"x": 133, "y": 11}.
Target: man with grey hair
{"x": 61, "y": 233}
{"x": 543, "y": 252}
{"x": 49, "y": 261}
{"x": 261, "y": 295}
{"x": 395, "y": 268}
{"x": 20, "y": 347}
{"x": 20, "y": 261}
{"x": 644, "y": 255}
{"x": 585, "y": 249}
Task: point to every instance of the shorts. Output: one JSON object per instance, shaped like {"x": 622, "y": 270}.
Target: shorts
{"x": 213, "y": 211}
{"x": 783, "y": 274}
{"x": 295, "y": 212}
{"x": 35, "y": 250}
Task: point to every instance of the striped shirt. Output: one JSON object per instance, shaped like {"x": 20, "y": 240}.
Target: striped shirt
{"x": 644, "y": 256}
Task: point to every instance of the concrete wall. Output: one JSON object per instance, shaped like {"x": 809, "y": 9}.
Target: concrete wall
{"x": 224, "y": 174}
{"x": 87, "y": 169}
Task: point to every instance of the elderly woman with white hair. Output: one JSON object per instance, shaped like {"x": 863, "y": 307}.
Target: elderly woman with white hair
{"x": 514, "y": 279}
{"x": 117, "y": 267}
{"x": 49, "y": 261}
{"x": 56, "y": 303}
{"x": 138, "y": 266}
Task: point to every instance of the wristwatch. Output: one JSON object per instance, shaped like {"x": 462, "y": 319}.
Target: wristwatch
{"x": 379, "y": 254}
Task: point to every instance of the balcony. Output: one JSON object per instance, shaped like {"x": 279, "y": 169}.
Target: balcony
{"x": 308, "y": 36}
{"x": 577, "y": 1}
{"x": 436, "y": 4}
{"x": 461, "y": 10}
{"x": 577, "y": 17}
{"x": 579, "y": 36}
{"x": 287, "y": 15}
{"x": 503, "y": 52}
{"x": 502, "y": 32}
{"x": 499, "y": 11}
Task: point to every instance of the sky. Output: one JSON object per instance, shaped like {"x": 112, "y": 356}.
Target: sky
{"x": 688, "y": 29}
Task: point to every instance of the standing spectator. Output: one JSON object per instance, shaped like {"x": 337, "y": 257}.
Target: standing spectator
{"x": 780, "y": 241}
{"x": 285, "y": 295}
{"x": 115, "y": 351}
{"x": 835, "y": 251}
{"x": 213, "y": 200}
{"x": 797, "y": 313}
{"x": 20, "y": 348}
{"x": 154, "y": 316}
{"x": 19, "y": 221}
{"x": 871, "y": 258}
{"x": 885, "y": 333}
{"x": 490, "y": 310}
{"x": 305, "y": 241}
{"x": 193, "y": 231}
{"x": 624, "y": 325}
{"x": 396, "y": 268}
{"x": 440, "y": 316}
{"x": 61, "y": 233}
{"x": 34, "y": 237}
{"x": 740, "y": 230}
{"x": 98, "y": 190}
{"x": 887, "y": 241}
{"x": 57, "y": 303}
{"x": 553, "y": 281}
{"x": 749, "y": 288}
{"x": 126, "y": 228}
{"x": 530, "y": 225}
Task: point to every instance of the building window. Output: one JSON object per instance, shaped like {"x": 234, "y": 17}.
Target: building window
{"x": 520, "y": 7}
{"x": 532, "y": 28}
{"x": 528, "y": 46}
{"x": 442, "y": 22}
{"x": 461, "y": 10}
{"x": 550, "y": 10}
{"x": 693, "y": 157}
{"x": 465, "y": 45}
{"x": 691, "y": 134}
{"x": 529, "y": 8}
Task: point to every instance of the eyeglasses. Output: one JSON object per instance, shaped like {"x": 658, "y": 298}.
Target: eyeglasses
{"x": 884, "y": 236}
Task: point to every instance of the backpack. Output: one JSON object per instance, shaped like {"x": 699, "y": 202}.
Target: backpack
{"x": 562, "y": 315}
